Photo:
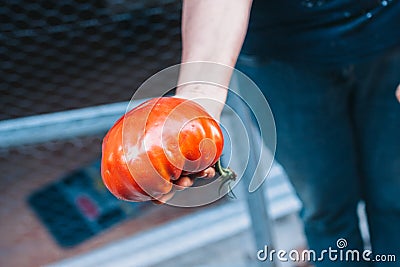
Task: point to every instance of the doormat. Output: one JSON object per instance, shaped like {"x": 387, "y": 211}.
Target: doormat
{"x": 79, "y": 206}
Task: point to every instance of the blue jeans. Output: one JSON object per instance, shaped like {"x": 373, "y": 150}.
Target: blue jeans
{"x": 338, "y": 138}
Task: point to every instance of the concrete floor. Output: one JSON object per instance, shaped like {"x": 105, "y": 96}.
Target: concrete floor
{"x": 239, "y": 249}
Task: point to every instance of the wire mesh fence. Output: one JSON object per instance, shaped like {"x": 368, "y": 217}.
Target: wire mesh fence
{"x": 62, "y": 55}
{"x": 59, "y": 55}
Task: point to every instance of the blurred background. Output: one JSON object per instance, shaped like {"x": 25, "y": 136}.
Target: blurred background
{"x": 67, "y": 70}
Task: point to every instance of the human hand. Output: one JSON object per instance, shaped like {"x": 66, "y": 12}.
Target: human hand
{"x": 212, "y": 99}
{"x": 184, "y": 181}
{"x": 398, "y": 93}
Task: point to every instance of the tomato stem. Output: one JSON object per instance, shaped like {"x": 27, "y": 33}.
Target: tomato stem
{"x": 227, "y": 176}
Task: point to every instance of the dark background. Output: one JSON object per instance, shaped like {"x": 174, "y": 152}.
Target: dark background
{"x": 59, "y": 55}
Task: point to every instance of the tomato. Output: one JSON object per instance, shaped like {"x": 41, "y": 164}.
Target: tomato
{"x": 150, "y": 146}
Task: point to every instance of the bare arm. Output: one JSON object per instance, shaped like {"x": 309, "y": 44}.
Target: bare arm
{"x": 212, "y": 30}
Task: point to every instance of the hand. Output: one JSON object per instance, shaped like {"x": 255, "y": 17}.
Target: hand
{"x": 398, "y": 93}
{"x": 186, "y": 180}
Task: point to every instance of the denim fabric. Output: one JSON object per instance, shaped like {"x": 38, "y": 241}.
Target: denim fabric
{"x": 338, "y": 138}
{"x": 322, "y": 31}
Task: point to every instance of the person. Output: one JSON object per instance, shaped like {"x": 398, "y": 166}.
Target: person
{"x": 329, "y": 70}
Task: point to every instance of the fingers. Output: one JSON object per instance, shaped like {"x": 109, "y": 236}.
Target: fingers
{"x": 187, "y": 180}
{"x": 179, "y": 185}
{"x": 183, "y": 182}
{"x": 398, "y": 92}
{"x": 164, "y": 198}
{"x": 209, "y": 173}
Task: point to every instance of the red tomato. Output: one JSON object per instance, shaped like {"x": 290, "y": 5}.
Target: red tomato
{"x": 149, "y": 147}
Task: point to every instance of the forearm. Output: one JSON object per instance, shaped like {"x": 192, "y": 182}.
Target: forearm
{"x": 212, "y": 31}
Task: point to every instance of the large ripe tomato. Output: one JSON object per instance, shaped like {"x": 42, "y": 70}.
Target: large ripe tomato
{"x": 149, "y": 147}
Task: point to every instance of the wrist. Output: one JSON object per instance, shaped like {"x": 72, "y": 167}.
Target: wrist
{"x": 211, "y": 97}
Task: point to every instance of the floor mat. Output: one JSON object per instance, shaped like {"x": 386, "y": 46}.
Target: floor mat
{"x": 79, "y": 206}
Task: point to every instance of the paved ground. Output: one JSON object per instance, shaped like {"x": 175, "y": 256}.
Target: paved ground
{"x": 239, "y": 250}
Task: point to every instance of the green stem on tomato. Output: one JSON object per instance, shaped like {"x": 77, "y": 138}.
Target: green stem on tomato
{"x": 227, "y": 175}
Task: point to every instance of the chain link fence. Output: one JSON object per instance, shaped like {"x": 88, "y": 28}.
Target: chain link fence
{"x": 63, "y": 55}
{"x": 59, "y": 55}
